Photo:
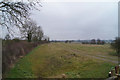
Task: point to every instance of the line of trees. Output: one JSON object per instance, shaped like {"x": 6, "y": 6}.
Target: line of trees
{"x": 93, "y": 41}
{"x": 31, "y": 32}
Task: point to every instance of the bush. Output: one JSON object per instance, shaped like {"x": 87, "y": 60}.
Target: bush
{"x": 113, "y": 53}
{"x": 16, "y": 39}
{"x": 116, "y": 45}
{"x": 13, "y": 50}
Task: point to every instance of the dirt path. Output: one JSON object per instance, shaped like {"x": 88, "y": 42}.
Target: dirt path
{"x": 100, "y": 57}
{"x": 104, "y": 59}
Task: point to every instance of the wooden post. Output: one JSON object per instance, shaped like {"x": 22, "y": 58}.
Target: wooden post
{"x": 117, "y": 69}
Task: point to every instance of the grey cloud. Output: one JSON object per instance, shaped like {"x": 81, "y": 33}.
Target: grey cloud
{"x": 78, "y": 20}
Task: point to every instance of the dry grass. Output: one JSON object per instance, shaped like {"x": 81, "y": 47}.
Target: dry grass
{"x": 54, "y": 59}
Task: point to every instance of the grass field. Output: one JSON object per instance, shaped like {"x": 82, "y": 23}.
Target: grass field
{"x": 75, "y": 60}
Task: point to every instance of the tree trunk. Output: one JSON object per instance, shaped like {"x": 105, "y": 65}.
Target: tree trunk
{"x": 29, "y": 37}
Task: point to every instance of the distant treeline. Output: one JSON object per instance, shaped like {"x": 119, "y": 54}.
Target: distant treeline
{"x": 93, "y": 41}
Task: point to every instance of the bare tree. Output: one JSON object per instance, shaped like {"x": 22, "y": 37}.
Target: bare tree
{"x": 46, "y": 38}
{"x": 28, "y": 29}
{"x": 98, "y": 41}
{"x": 38, "y": 35}
{"x": 93, "y": 41}
{"x": 15, "y": 12}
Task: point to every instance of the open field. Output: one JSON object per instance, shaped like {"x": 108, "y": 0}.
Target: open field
{"x": 72, "y": 59}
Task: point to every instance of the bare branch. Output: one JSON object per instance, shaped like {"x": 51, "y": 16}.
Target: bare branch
{"x": 14, "y": 13}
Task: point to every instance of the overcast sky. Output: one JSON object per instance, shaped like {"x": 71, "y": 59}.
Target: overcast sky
{"x": 78, "y": 20}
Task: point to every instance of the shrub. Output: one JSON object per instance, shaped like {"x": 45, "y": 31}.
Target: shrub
{"x": 16, "y": 39}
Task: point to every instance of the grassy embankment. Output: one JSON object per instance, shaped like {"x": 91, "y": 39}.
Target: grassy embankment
{"x": 52, "y": 60}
